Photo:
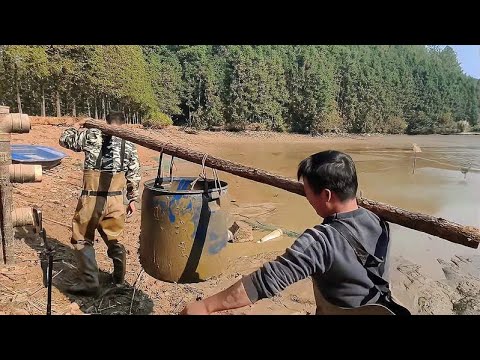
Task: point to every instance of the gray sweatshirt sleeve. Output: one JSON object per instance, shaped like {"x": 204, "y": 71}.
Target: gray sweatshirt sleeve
{"x": 309, "y": 254}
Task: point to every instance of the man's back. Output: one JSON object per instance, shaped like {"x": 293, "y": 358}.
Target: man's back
{"x": 94, "y": 143}
{"x": 324, "y": 254}
{"x": 105, "y": 153}
{"x": 345, "y": 282}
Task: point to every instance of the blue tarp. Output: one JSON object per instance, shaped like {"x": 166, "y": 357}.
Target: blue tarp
{"x": 36, "y": 154}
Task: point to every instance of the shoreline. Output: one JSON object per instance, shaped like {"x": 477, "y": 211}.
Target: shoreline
{"x": 244, "y": 134}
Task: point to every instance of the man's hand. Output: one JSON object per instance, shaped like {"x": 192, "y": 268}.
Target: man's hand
{"x": 131, "y": 209}
{"x": 232, "y": 298}
{"x": 195, "y": 308}
{"x": 82, "y": 122}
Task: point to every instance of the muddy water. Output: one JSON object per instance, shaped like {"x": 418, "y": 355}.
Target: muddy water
{"x": 384, "y": 166}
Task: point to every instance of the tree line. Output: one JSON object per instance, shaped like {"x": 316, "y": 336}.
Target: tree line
{"x": 299, "y": 88}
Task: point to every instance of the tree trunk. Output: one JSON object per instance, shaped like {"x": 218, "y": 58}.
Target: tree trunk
{"x": 17, "y": 86}
{"x": 199, "y": 92}
{"x": 95, "y": 104}
{"x": 29, "y": 108}
{"x": 460, "y": 234}
{"x": 74, "y": 108}
{"x": 88, "y": 108}
{"x": 103, "y": 108}
{"x": 59, "y": 109}
{"x": 42, "y": 109}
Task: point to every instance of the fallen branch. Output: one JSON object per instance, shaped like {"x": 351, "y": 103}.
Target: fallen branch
{"x": 134, "y": 290}
{"x": 35, "y": 306}
{"x": 44, "y": 287}
{"x": 7, "y": 276}
{"x": 8, "y": 289}
{"x": 57, "y": 222}
{"x": 267, "y": 227}
{"x": 109, "y": 307}
{"x": 68, "y": 264}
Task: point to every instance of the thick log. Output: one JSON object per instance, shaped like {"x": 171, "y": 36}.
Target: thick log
{"x": 448, "y": 230}
{"x": 142, "y": 138}
{"x": 460, "y": 234}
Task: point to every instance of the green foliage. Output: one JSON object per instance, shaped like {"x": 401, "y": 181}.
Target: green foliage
{"x": 306, "y": 89}
{"x": 445, "y": 124}
{"x": 395, "y": 125}
{"x": 157, "y": 120}
{"x": 463, "y": 126}
{"x": 327, "y": 122}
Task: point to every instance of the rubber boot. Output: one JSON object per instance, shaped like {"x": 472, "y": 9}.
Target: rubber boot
{"x": 118, "y": 254}
{"x": 87, "y": 265}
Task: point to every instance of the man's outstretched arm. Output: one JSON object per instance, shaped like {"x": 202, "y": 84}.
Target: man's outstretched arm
{"x": 309, "y": 254}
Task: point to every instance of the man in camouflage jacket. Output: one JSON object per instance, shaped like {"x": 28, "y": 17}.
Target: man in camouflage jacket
{"x": 111, "y": 164}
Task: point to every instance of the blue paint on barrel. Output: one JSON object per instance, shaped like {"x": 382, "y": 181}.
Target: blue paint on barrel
{"x": 171, "y": 216}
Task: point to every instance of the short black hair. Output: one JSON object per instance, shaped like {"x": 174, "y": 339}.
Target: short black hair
{"x": 331, "y": 170}
{"x": 116, "y": 117}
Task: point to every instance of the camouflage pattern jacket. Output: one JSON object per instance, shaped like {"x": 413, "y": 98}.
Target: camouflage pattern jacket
{"x": 90, "y": 141}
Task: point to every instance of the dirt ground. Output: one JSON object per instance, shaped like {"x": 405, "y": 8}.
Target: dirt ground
{"x": 22, "y": 290}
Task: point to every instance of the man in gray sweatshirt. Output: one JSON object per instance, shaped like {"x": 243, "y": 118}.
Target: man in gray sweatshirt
{"x": 346, "y": 256}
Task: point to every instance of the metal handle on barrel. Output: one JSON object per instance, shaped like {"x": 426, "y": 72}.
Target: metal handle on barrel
{"x": 159, "y": 178}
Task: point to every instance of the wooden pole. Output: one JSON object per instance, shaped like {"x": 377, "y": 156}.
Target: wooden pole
{"x": 10, "y": 123}
{"x": 416, "y": 149}
{"x": 4, "y": 155}
{"x": 6, "y": 228}
{"x": 460, "y": 234}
